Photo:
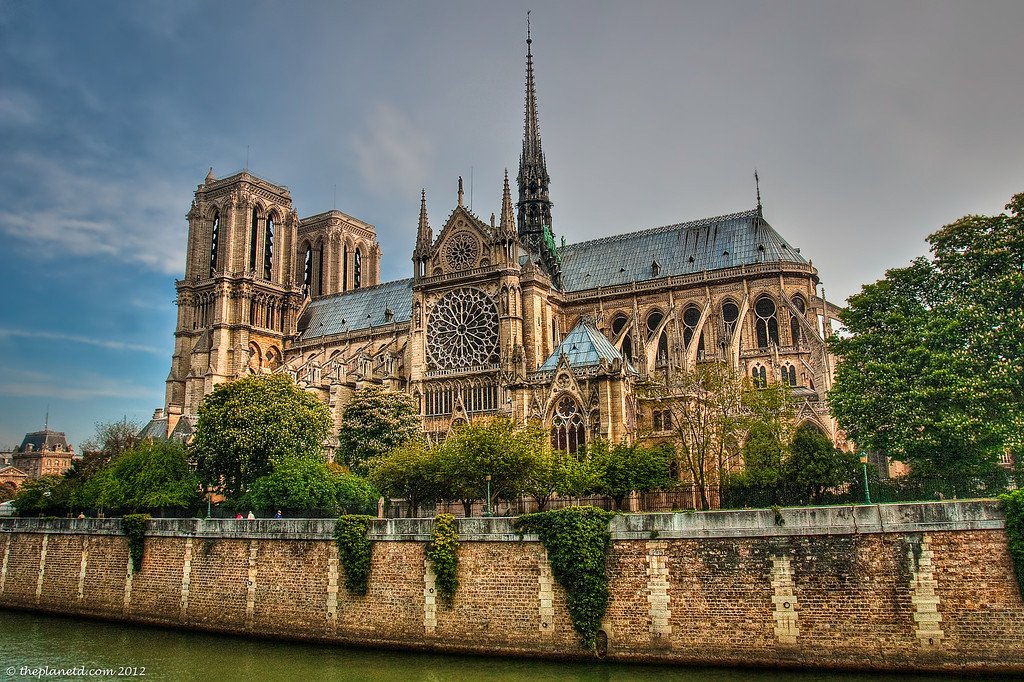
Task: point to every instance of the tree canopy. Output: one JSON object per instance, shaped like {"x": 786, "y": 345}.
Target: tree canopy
{"x": 375, "y": 422}
{"x": 152, "y": 475}
{"x": 304, "y": 485}
{"x": 931, "y": 372}
{"x": 248, "y": 426}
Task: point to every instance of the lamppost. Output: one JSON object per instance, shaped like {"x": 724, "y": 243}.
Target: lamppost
{"x": 488, "y": 479}
{"x": 864, "y": 463}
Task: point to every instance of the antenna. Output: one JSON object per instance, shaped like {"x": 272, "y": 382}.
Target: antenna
{"x": 46, "y": 424}
{"x": 528, "y": 38}
{"x": 471, "y": 168}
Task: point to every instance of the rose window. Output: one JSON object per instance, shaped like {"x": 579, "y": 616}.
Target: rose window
{"x": 462, "y": 330}
{"x": 461, "y": 251}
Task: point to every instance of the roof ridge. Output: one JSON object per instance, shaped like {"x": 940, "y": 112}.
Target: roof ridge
{"x": 702, "y": 222}
{"x": 338, "y": 294}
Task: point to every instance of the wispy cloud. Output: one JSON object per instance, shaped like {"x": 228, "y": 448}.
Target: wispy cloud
{"x": 97, "y": 212}
{"x": 17, "y": 108}
{"x": 392, "y": 153}
{"x": 33, "y": 384}
{"x": 72, "y": 338}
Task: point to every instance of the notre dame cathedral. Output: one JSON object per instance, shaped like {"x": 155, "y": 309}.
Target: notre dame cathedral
{"x": 498, "y": 317}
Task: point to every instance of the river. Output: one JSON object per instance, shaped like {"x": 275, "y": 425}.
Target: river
{"x": 35, "y": 646}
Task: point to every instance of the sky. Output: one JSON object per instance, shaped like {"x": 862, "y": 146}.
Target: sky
{"x": 871, "y": 125}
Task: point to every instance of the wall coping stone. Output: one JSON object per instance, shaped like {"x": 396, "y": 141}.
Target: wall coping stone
{"x": 916, "y": 517}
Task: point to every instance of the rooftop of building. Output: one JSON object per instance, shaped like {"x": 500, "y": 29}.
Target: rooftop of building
{"x": 45, "y": 441}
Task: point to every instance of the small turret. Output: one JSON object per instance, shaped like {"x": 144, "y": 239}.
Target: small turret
{"x": 424, "y": 239}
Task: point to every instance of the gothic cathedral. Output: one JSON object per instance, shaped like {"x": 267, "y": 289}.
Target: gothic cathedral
{"x": 497, "y": 318}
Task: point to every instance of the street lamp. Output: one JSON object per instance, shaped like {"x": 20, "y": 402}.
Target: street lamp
{"x": 488, "y": 479}
{"x": 864, "y": 463}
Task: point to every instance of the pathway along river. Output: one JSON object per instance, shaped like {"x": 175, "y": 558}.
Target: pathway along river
{"x": 34, "y": 646}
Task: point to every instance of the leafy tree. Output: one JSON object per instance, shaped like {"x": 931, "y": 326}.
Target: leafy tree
{"x": 816, "y": 465}
{"x": 113, "y": 438}
{"x": 706, "y": 405}
{"x": 580, "y": 474}
{"x": 375, "y": 422}
{"x": 508, "y": 452}
{"x": 409, "y": 472}
{"x": 353, "y": 494}
{"x": 930, "y": 373}
{"x": 247, "y": 427}
{"x": 7, "y": 491}
{"x": 626, "y": 468}
{"x": 293, "y": 485}
{"x": 39, "y": 496}
{"x": 153, "y": 475}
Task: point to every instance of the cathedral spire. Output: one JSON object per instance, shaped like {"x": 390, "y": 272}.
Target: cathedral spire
{"x": 508, "y": 220}
{"x": 461, "y": 193}
{"x": 757, "y": 186}
{"x": 424, "y": 235}
{"x": 534, "y": 203}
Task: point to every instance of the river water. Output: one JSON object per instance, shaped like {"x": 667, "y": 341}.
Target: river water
{"x": 34, "y": 646}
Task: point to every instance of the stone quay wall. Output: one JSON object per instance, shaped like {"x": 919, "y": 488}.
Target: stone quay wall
{"x": 891, "y": 587}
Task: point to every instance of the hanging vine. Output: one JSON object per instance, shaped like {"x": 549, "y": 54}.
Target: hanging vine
{"x": 577, "y": 540}
{"x": 134, "y": 528}
{"x": 1013, "y": 505}
{"x": 352, "y": 537}
{"x": 443, "y": 552}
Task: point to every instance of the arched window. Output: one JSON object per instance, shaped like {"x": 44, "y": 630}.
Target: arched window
{"x": 796, "y": 334}
{"x": 760, "y": 376}
{"x": 268, "y": 249}
{"x": 567, "y": 432}
{"x": 767, "y": 325}
{"x": 214, "y": 243}
{"x": 307, "y": 271}
{"x": 691, "y": 318}
{"x": 788, "y": 374}
{"x": 344, "y": 268}
{"x": 730, "y": 313}
{"x": 254, "y": 239}
{"x": 619, "y": 323}
{"x": 320, "y": 270}
{"x": 357, "y": 269}
{"x": 654, "y": 320}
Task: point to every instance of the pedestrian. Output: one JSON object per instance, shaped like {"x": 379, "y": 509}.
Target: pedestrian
{"x": 251, "y": 517}
{"x": 238, "y": 516}
{"x": 278, "y": 514}
{"x": 81, "y": 515}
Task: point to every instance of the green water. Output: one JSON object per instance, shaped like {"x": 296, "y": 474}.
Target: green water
{"x": 34, "y": 646}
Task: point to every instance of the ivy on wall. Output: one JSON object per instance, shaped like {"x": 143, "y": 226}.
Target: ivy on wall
{"x": 1013, "y": 505}
{"x": 443, "y": 552}
{"x": 134, "y": 528}
{"x": 351, "y": 535}
{"x": 577, "y": 540}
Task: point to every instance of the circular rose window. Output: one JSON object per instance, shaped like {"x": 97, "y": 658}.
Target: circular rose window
{"x": 461, "y": 251}
{"x": 462, "y": 330}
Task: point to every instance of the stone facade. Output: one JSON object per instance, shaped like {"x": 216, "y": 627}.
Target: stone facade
{"x": 41, "y": 453}
{"x": 889, "y": 587}
{"x": 497, "y": 317}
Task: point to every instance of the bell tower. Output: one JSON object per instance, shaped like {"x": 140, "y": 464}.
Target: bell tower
{"x": 240, "y": 296}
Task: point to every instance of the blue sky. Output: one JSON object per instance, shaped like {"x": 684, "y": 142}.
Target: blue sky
{"x": 872, "y": 124}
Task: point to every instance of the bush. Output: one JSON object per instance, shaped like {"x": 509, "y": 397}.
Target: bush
{"x": 134, "y": 527}
{"x": 443, "y": 553}
{"x": 355, "y": 551}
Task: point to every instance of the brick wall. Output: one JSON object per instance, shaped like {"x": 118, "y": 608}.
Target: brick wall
{"x": 888, "y": 587}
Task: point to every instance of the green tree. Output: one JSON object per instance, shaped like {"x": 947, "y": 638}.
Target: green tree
{"x": 627, "y": 468}
{"x": 910, "y": 386}
{"x": 152, "y": 476}
{"x": 39, "y": 496}
{"x": 247, "y": 427}
{"x": 708, "y": 421}
{"x": 409, "y": 472}
{"x": 580, "y": 474}
{"x": 353, "y": 494}
{"x": 375, "y": 422}
{"x": 815, "y": 465}
{"x": 7, "y": 491}
{"x": 294, "y": 485}
{"x": 501, "y": 448}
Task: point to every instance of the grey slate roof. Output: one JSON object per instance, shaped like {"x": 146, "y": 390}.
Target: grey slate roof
{"x": 583, "y": 346}
{"x": 45, "y": 441}
{"x": 709, "y": 244}
{"x": 358, "y": 309}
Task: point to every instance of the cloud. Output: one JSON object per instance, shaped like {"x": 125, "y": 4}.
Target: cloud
{"x": 33, "y": 384}
{"x": 72, "y": 338}
{"x": 392, "y": 153}
{"x": 96, "y": 212}
{"x": 18, "y": 109}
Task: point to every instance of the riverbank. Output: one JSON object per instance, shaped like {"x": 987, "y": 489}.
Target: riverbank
{"x": 907, "y": 587}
